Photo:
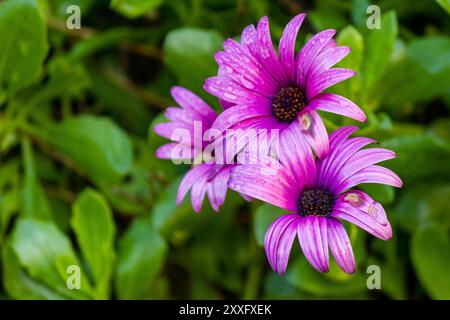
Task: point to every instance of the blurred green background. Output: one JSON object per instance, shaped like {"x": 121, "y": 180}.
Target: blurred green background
{"x": 79, "y": 183}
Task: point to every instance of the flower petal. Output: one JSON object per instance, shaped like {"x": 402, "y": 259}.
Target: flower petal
{"x": 266, "y": 182}
{"x": 371, "y": 174}
{"x": 358, "y": 208}
{"x": 286, "y": 47}
{"x": 278, "y": 241}
{"x": 239, "y": 113}
{"x": 309, "y": 52}
{"x": 192, "y": 176}
{"x": 338, "y": 156}
{"x": 228, "y": 90}
{"x": 266, "y": 53}
{"x": 167, "y": 151}
{"x": 217, "y": 188}
{"x": 340, "y": 245}
{"x": 326, "y": 59}
{"x": 315, "y": 132}
{"x": 238, "y": 64}
{"x": 167, "y": 129}
{"x": 337, "y": 104}
{"x": 362, "y": 159}
{"x": 320, "y": 82}
{"x": 296, "y": 155}
{"x": 313, "y": 237}
{"x": 198, "y": 192}
{"x": 339, "y": 136}
{"x": 248, "y": 38}
{"x": 188, "y": 100}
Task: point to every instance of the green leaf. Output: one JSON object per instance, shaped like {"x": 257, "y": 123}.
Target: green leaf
{"x": 34, "y": 200}
{"x": 380, "y": 44}
{"x": 445, "y": 4}
{"x": 46, "y": 253}
{"x": 94, "y": 228}
{"x": 189, "y": 54}
{"x": 422, "y": 204}
{"x": 24, "y": 43}
{"x": 379, "y": 192}
{"x": 421, "y": 75}
{"x": 304, "y": 277}
{"x": 18, "y": 284}
{"x": 97, "y": 145}
{"x": 349, "y": 36}
{"x": 418, "y": 156}
{"x": 134, "y": 8}
{"x": 264, "y": 216}
{"x": 430, "y": 252}
{"x": 141, "y": 257}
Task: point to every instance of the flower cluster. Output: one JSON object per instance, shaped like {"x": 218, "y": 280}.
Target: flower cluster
{"x": 302, "y": 169}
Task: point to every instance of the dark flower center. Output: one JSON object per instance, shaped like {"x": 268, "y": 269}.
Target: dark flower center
{"x": 287, "y": 103}
{"x": 315, "y": 202}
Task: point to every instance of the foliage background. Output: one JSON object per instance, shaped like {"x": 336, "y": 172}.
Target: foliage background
{"x": 79, "y": 183}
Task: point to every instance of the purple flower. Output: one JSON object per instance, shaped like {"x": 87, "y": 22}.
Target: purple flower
{"x": 317, "y": 194}
{"x": 203, "y": 179}
{"x": 262, "y": 90}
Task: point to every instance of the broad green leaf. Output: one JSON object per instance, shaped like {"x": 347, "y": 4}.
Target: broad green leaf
{"x": 18, "y": 284}
{"x": 421, "y": 75}
{"x": 379, "y": 47}
{"x": 141, "y": 257}
{"x": 430, "y": 252}
{"x": 134, "y": 8}
{"x": 46, "y": 253}
{"x": 97, "y": 145}
{"x": 445, "y": 4}
{"x": 190, "y": 56}
{"x": 263, "y": 218}
{"x": 24, "y": 43}
{"x": 422, "y": 204}
{"x": 418, "y": 156}
{"x": 34, "y": 200}
{"x": 350, "y": 37}
{"x": 93, "y": 224}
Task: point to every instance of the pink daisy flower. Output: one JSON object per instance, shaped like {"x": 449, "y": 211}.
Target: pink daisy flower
{"x": 262, "y": 90}
{"x": 317, "y": 193}
{"x": 203, "y": 179}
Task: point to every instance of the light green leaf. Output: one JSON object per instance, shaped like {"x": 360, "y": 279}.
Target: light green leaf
{"x": 350, "y": 37}
{"x": 97, "y": 145}
{"x": 444, "y": 4}
{"x": 24, "y": 43}
{"x": 190, "y": 56}
{"x": 430, "y": 252}
{"x": 18, "y": 284}
{"x": 46, "y": 253}
{"x": 379, "y": 47}
{"x": 94, "y": 228}
{"x": 34, "y": 200}
{"x": 264, "y": 216}
{"x": 141, "y": 257}
{"x": 134, "y": 8}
